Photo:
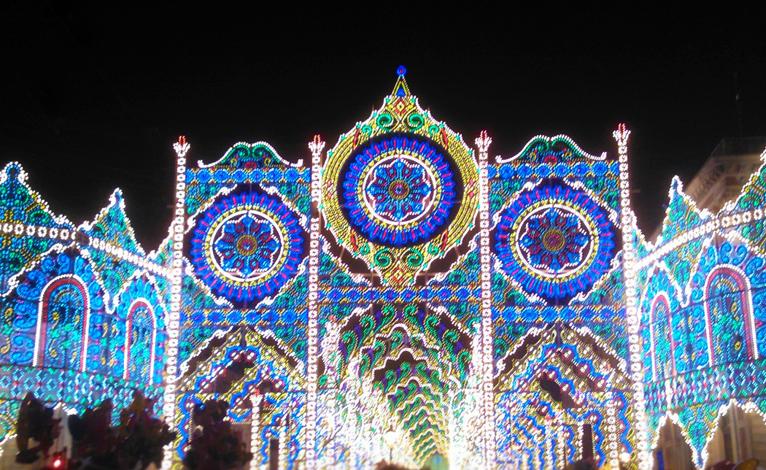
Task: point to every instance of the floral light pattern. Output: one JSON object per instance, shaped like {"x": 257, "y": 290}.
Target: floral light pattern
{"x": 399, "y": 190}
{"x": 247, "y": 245}
{"x": 554, "y": 241}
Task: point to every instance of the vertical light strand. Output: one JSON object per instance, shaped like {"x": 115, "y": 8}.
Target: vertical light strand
{"x": 175, "y": 278}
{"x": 644, "y": 461}
{"x": 487, "y": 372}
{"x": 316, "y": 146}
{"x": 475, "y": 423}
{"x": 284, "y": 440}
{"x": 329, "y": 347}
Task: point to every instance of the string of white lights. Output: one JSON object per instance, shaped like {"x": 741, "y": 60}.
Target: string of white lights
{"x": 487, "y": 373}
{"x": 316, "y": 147}
{"x": 621, "y": 136}
{"x": 175, "y": 278}
{"x": 711, "y": 225}
{"x": 20, "y": 230}
{"x": 67, "y": 235}
{"x": 611, "y": 434}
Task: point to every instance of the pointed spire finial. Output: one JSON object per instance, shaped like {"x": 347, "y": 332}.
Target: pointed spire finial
{"x": 182, "y": 146}
{"x": 621, "y": 134}
{"x": 316, "y": 146}
{"x": 401, "y": 89}
{"x": 483, "y": 142}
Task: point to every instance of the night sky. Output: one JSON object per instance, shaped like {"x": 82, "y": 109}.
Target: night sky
{"x": 92, "y": 97}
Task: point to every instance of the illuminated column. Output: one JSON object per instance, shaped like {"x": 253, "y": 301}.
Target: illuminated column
{"x": 316, "y": 147}
{"x": 255, "y": 428}
{"x": 561, "y": 454}
{"x": 612, "y": 440}
{"x": 632, "y": 315}
{"x": 329, "y": 347}
{"x": 488, "y": 396}
{"x": 550, "y": 450}
{"x": 175, "y": 277}
{"x": 284, "y": 444}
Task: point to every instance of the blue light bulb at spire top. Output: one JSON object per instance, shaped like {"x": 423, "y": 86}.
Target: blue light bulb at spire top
{"x": 401, "y": 70}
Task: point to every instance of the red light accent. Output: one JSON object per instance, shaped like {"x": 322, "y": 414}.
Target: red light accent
{"x": 182, "y": 139}
{"x": 57, "y": 462}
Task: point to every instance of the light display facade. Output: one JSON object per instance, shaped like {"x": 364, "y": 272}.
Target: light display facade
{"x": 404, "y": 296}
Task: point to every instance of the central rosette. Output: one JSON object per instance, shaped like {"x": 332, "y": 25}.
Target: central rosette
{"x": 247, "y": 245}
{"x": 554, "y": 240}
{"x": 399, "y": 190}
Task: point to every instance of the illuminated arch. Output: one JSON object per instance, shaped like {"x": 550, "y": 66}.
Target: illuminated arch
{"x": 51, "y": 293}
{"x": 665, "y": 323}
{"x": 734, "y": 308}
{"x": 143, "y": 309}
